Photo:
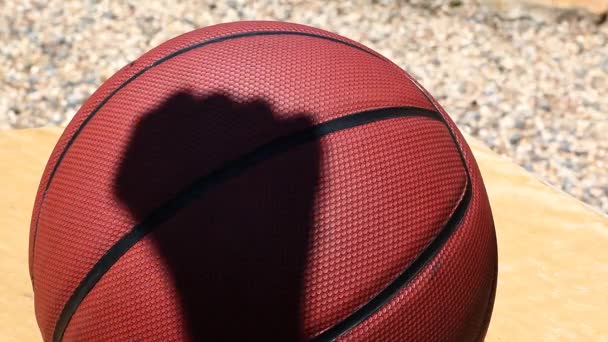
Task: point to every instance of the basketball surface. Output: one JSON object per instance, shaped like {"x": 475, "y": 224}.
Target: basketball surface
{"x": 262, "y": 181}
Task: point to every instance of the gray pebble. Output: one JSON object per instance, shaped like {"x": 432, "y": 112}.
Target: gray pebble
{"x": 604, "y": 64}
{"x": 515, "y": 139}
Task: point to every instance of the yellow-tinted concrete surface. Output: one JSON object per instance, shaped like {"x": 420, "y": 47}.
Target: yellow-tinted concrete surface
{"x": 553, "y": 250}
{"x": 23, "y": 155}
{"x": 552, "y": 258}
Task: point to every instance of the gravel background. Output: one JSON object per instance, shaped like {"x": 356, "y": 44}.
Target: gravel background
{"x": 537, "y": 93}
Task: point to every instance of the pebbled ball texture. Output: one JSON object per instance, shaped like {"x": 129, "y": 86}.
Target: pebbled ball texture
{"x": 280, "y": 245}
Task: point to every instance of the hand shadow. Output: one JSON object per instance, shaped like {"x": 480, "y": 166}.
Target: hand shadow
{"x": 237, "y": 211}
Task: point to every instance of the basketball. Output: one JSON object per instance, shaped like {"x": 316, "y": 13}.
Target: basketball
{"x": 262, "y": 181}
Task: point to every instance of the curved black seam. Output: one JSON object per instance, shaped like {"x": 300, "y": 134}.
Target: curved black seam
{"x": 229, "y": 170}
{"x": 408, "y": 274}
{"x": 393, "y": 288}
{"x": 158, "y": 62}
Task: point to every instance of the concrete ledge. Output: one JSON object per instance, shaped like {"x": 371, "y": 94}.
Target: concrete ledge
{"x": 553, "y": 272}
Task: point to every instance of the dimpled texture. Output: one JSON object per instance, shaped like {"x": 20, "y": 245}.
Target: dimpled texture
{"x": 377, "y": 208}
{"x": 455, "y": 290}
{"x": 452, "y": 298}
{"x": 406, "y": 94}
{"x": 385, "y": 191}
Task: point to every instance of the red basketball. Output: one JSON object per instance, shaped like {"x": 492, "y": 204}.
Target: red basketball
{"x": 262, "y": 181}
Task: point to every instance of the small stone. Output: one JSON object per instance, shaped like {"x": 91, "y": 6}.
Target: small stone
{"x": 599, "y": 83}
{"x": 507, "y": 122}
{"x": 544, "y": 105}
{"x": 566, "y": 185}
{"x": 455, "y": 3}
{"x": 604, "y": 65}
{"x": 581, "y": 73}
{"x": 515, "y": 139}
{"x": 74, "y": 98}
{"x": 109, "y": 15}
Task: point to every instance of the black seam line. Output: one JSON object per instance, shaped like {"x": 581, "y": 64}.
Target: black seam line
{"x": 229, "y": 170}
{"x": 408, "y": 274}
{"x": 158, "y": 62}
{"x": 182, "y": 51}
{"x": 393, "y": 288}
